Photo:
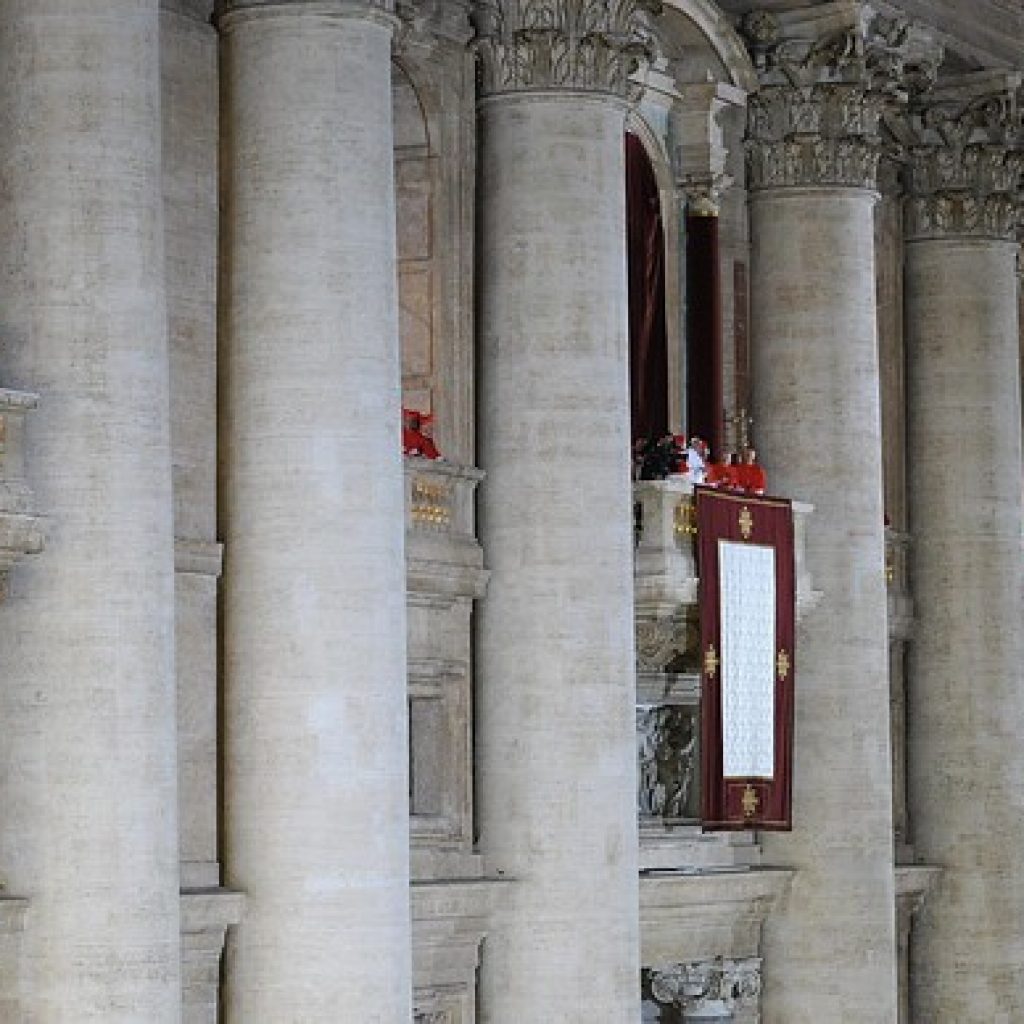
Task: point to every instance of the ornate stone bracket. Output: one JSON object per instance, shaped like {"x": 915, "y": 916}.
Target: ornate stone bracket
{"x": 707, "y": 989}
{"x": 964, "y": 145}
{"x": 20, "y": 527}
{"x": 579, "y": 45}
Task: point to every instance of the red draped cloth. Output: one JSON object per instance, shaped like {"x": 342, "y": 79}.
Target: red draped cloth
{"x": 705, "y": 383}
{"x": 761, "y": 802}
{"x": 648, "y": 344}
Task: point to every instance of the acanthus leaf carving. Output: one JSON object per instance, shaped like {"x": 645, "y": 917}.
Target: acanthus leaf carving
{"x": 964, "y": 156}
{"x": 581, "y": 45}
{"x": 827, "y": 78}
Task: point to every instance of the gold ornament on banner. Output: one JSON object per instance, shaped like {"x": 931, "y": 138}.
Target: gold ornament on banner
{"x": 782, "y": 665}
{"x": 711, "y": 662}
{"x": 746, "y": 523}
{"x": 750, "y": 801}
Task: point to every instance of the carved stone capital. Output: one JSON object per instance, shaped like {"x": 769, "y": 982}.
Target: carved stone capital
{"x": 828, "y": 73}
{"x": 965, "y": 159}
{"x": 575, "y": 45}
{"x": 709, "y": 988}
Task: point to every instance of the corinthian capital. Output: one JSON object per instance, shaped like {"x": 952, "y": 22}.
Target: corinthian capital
{"x": 828, "y": 73}
{"x": 965, "y": 158}
{"x": 581, "y": 45}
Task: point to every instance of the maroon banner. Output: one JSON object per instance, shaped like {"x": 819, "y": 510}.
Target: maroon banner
{"x": 746, "y": 693}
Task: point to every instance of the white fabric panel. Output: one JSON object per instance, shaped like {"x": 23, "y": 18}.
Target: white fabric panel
{"x": 747, "y": 618}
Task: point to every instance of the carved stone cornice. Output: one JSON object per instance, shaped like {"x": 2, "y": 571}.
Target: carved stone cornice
{"x": 574, "y": 45}
{"x": 827, "y": 75}
{"x": 712, "y": 988}
{"x": 965, "y": 159}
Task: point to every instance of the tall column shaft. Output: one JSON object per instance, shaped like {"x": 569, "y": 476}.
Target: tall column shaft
{"x": 556, "y": 757}
{"x": 830, "y": 951}
{"x": 316, "y": 751}
{"x": 966, "y": 716}
{"x": 87, "y": 694}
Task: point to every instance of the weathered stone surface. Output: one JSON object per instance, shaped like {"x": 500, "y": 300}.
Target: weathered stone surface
{"x": 556, "y": 755}
{"x": 965, "y": 715}
{"x": 817, "y": 411}
{"x": 87, "y": 760}
{"x": 316, "y": 744}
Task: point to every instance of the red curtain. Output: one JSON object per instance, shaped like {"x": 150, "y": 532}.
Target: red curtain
{"x": 648, "y": 345}
{"x": 705, "y": 385}
{"x": 745, "y": 803}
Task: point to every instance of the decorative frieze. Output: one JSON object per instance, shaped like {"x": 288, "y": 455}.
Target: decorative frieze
{"x": 965, "y": 159}
{"x": 709, "y": 989}
{"x": 578, "y": 45}
{"x": 827, "y": 75}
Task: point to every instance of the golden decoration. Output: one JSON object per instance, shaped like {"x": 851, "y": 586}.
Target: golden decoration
{"x": 782, "y": 664}
{"x": 890, "y": 572}
{"x": 746, "y": 523}
{"x": 430, "y": 504}
{"x": 750, "y": 801}
{"x": 685, "y": 519}
{"x": 711, "y": 662}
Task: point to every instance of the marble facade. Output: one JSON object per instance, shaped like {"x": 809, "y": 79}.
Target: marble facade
{"x": 296, "y": 731}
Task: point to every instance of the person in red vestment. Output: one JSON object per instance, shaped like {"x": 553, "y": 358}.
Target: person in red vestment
{"x": 415, "y": 439}
{"x": 750, "y": 476}
{"x": 723, "y": 474}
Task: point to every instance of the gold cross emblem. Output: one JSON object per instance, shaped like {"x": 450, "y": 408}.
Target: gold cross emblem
{"x": 750, "y": 801}
{"x": 746, "y": 523}
{"x": 782, "y": 664}
{"x": 711, "y": 661}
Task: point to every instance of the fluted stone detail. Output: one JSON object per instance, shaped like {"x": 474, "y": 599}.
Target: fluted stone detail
{"x": 580, "y": 45}
{"x": 828, "y": 74}
{"x": 966, "y": 160}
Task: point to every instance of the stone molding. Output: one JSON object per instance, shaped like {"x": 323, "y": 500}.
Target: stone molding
{"x": 827, "y": 75}
{"x": 965, "y": 159}
{"x": 570, "y": 45}
{"x": 226, "y": 11}
{"x": 710, "y": 988}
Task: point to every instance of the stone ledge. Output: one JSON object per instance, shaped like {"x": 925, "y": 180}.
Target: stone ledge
{"x": 449, "y": 921}
{"x": 700, "y": 915}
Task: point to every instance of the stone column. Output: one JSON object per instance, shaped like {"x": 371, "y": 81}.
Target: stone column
{"x": 830, "y": 950}
{"x": 965, "y": 716}
{"x": 315, "y": 744}
{"x": 87, "y": 693}
{"x": 556, "y": 757}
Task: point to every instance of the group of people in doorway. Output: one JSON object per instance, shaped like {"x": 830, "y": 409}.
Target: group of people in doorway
{"x": 674, "y": 455}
